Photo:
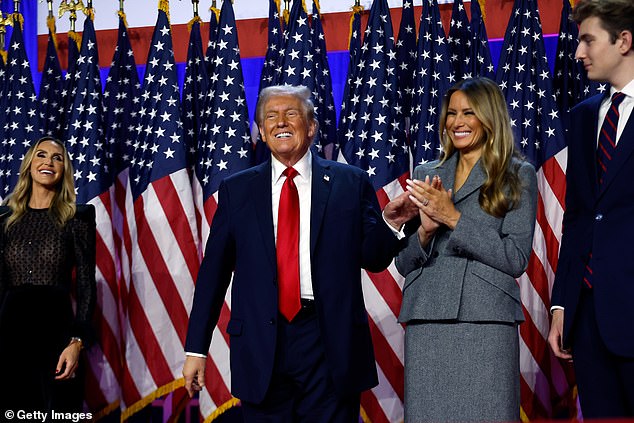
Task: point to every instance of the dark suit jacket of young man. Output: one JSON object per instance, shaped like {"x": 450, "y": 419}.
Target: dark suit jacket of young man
{"x": 599, "y": 219}
{"x": 347, "y": 233}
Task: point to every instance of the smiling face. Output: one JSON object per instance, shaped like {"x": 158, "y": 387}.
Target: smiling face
{"x": 47, "y": 165}
{"x": 462, "y": 125}
{"x": 286, "y": 129}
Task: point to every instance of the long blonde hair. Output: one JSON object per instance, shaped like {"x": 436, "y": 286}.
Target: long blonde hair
{"x": 502, "y": 189}
{"x": 63, "y": 204}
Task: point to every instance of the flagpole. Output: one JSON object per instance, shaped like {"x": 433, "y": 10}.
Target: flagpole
{"x": 195, "y": 5}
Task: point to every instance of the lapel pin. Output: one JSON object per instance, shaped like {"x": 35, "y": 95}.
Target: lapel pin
{"x": 326, "y": 178}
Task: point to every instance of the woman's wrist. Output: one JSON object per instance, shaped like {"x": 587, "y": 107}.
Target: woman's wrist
{"x": 76, "y": 340}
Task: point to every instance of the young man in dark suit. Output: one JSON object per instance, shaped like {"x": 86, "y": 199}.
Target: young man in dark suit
{"x": 593, "y": 292}
{"x": 295, "y": 231}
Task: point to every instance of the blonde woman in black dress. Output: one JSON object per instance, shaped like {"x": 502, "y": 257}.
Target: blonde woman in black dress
{"x": 45, "y": 240}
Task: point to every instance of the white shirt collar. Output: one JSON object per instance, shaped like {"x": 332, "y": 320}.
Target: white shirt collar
{"x": 302, "y": 167}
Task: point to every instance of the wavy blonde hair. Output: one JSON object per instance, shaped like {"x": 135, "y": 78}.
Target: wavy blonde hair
{"x": 63, "y": 204}
{"x": 502, "y": 189}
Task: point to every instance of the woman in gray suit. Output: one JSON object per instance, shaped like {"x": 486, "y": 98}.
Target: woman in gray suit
{"x": 461, "y": 303}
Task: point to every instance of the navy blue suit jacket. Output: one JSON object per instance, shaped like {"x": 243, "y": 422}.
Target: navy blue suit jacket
{"x": 598, "y": 220}
{"x": 347, "y": 233}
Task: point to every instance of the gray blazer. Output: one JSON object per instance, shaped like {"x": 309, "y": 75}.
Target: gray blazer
{"x": 468, "y": 274}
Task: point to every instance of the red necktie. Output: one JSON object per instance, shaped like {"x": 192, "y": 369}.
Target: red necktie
{"x": 605, "y": 152}
{"x": 288, "y": 248}
{"x": 607, "y": 136}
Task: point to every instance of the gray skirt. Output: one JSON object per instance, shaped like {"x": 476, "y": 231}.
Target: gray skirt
{"x": 461, "y": 372}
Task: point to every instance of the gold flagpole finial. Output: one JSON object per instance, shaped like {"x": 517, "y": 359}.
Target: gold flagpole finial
{"x": 50, "y": 8}
{"x": 72, "y": 6}
{"x": 5, "y": 20}
{"x": 16, "y": 6}
{"x": 357, "y": 3}
{"x": 121, "y": 6}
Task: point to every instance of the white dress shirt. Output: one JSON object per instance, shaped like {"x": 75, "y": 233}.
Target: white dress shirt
{"x": 625, "y": 110}
{"x": 303, "y": 184}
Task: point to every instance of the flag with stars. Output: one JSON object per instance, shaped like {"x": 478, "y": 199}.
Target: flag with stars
{"x": 224, "y": 148}
{"x": 210, "y": 53}
{"x": 50, "y": 105}
{"x": 19, "y": 126}
{"x": 570, "y": 78}
{"x": 406, "y": 55}
{"x": 354, "y": 50}
{"x": 524, "y": 76}
{"x": 105, "y": 375}
{"x": 195, "y": 89}
{"x": 298, "y": 64}
{"x": 274, "y": 46}
{"x": 160, "y": 234}
{"x": 459, "y": 40}
{"x": 322, "y": 94}
{"x": 69, "y": 84}
{"x": 433, "y": 78}
{"x": 270, "y": 69}
{"x": 93, "y": 180}
{"x": 374, "y": 140}
{"x": 481, "y": 63}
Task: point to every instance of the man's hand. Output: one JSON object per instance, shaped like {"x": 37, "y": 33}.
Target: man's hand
{"x": 194, "y": 373}
{"x": 555, "y": 336}
{"x": 400, "y": 210}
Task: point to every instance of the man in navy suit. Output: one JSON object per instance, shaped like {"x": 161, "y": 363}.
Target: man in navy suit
{"x": 312, "y": 366}
{"x": 593, "y": 293}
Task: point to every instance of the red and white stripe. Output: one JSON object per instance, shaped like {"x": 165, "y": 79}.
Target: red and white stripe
{"x": 104, "y": 371}
{"x": 544, "y": 382}
{"x": 160, "y": 262}
{"x": 216, "y": 397}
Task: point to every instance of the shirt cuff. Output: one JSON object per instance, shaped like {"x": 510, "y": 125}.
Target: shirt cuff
{"x": 553, "y": 308}
{"x": 400, "y": 233}
{"x": 191, "y": 354}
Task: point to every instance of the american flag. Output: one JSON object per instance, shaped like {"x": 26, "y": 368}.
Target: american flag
{"x": 224, "y": 148}
{"x": 299, "y": 65}
{"x": 50, "y": 106}
{"x": 19, "y": 126}
{"x": 460, "y": 39}
{"x": 325, "y": 104}
{"x": 195, "y": 89}
{"x": 433, "y": 77}
{"x": 406, "y": 55}
{"x": 119, "y": 111}
{"x": 160, "y": 235}
{"x": 481, "y": 63}
{"x": 525, "y": 78}
{"x": 270, "y": 67}
{"x": 68, "y": 90}
{"x": 354, "y": 52}
{"x": 210, "y": 53}
{"x": 570, "y": 79}
{"x": 374, "y": 140}
{"x": 274, "y": 46}
{"x": 93, "y": 179}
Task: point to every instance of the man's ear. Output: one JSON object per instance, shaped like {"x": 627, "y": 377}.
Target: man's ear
{"x": 626, "y": 41}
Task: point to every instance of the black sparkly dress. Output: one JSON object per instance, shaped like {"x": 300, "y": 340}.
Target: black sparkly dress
{"x": 47, "y": 296}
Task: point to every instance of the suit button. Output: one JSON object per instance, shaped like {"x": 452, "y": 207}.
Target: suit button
{"x": 272, "y": 322}
{"x": 598, "y": 217}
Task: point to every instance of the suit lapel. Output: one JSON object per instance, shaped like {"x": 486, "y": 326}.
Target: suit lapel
{"x": 474, "y": 181}
{"x": 322, "y": 182}
{"x": 589, "y": 126}
{"x": 624, "y": 149}
{"x": 262, "y": 198}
